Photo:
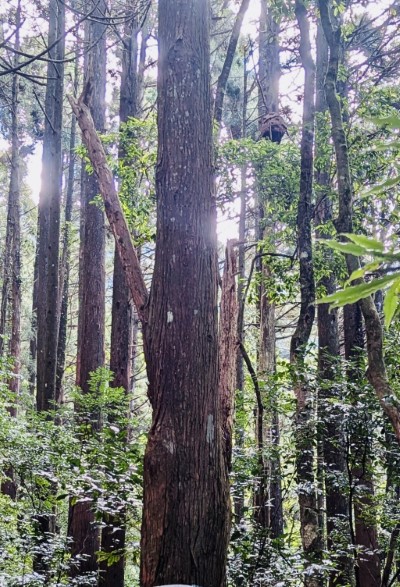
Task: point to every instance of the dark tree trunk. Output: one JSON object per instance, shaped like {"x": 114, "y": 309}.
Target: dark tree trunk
{"x": 186, "y": 498}
{"x": 333, "y": 434}
{"x": 268, "y": 496}
{"x": 305, "y": 434}
{"x": 65, "y": 260}
{"x": 114, "y": 531}
{"x": 83, "y": 530}
{"x": 12, "y": 261}
{"x": 48, "y": 249}
{"x": 368, "y": 564}
{"x": 374, "y": 331}
{"x": 185, "y": 524}
{"x": 49, "y": 216}
{"x": 227, "y": 66}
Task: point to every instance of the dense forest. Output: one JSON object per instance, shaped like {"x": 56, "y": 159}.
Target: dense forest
{"x": 199, "y": 293}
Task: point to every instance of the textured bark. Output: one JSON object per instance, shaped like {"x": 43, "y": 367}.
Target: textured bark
{"x": 333, "y": 435}
{"x": 368, "y": 571}
{"x": 115, "y": 216}
{"x": 186, "y": 495}
{"x": 83, "y": 530}
{"x": 268, "y": 496}
{"x": 269, "y": 63}
{"x": 227, "y": 66}
{"x": 48, "y": 250}
{"x": 113, "y": 536}
{"x": 309, "y": 524}
{"x": 185, "y": 518}
{"x": 49, "y": 216}
{"x": 65, "y": 261}
{"x": 228, "y": 345}
{"x": 373, "y": 327}
{"x": 12, "y": 263}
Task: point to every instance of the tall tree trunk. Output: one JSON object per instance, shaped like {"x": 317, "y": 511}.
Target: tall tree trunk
{"x": 65, "y": 260}
{"x": 268, "y": 496}
{"x": 330, "y": 413}
{"x": 185, "y": 524}
{"x": 12, "y": 260}
{"x": 227, "y": 66}
{"x": 238, "y": 498}
{"x": 368, "y": 569}
{"x": 49, "y": 215}
{"x": 83, "y": 531}
{"x": 114, "y": 531}
{"x": 309, "y": 526}
{"x": 186, "y": 513}
{"x": 48, "y": 247}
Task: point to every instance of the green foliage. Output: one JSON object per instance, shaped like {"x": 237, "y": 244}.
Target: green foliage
{"x": 359, "y": 247}
{"x": 62, "y": 461}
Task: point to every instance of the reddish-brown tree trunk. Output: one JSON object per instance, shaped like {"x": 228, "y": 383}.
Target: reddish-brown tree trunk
{"x": 113, "y": 534}
{"x": 186, "y": 503}
{"x": 83, "y": 530}
{"x": 49, "y": 216}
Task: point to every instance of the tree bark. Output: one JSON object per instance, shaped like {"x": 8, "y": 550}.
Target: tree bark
{"x": 49, "y": 216}
{"x": 333, "y": 434}
{"x": 309, "y": 524}
{"x": 186, "y": 513}
{"x": 373, "y": 327}
{"x": 83, "y": 530}
{"x": 228, "y": 346}
{"x": 186, "y": 495}
{"x": 227, "y": 66}
{"x": 12, "y": 259}
{"x": 268, "y": 496}
{"x": 113, "y": 536}
{"x": 65, "y": 260}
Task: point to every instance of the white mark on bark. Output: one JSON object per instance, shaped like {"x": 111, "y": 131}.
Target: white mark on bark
{"x": 170, "y": 317}
{"x": 169, "y": 445}
{"x": 304, "y": 255}
{"x": 196, "y": 312}
{"x": 210, "y": 429}
{"x": 172, "y": 219}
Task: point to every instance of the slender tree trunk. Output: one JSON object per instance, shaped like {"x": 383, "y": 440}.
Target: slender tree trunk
{"x": 186, "y": 513}
{"x": 49, "y": 216}
{"x": 12, "y": 261}
{"x": 114, "y": 531}
{"x": 268, "y": 496}
{"x": 65, "y": 260}
{"x": 48, "y": 249}
{"x": 305, "y": 435}
{"x": 331, "y": 416}
{"x": 368, "y": 568}
{"x": 374, "y": 332}
{"x": 227, "y": 66}
{"x": 83, "y": 530}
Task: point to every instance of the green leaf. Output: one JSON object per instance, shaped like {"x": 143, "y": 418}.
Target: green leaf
{"x": 358, "y": 273}
{"x": 392, "y": 121}
{"x": 364, "y": 241}
{"x": 391, "y": 302}
{"x": 389, "y": 183}
{"x": 354, "y": 293}
{"x": 347, "y": 248}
